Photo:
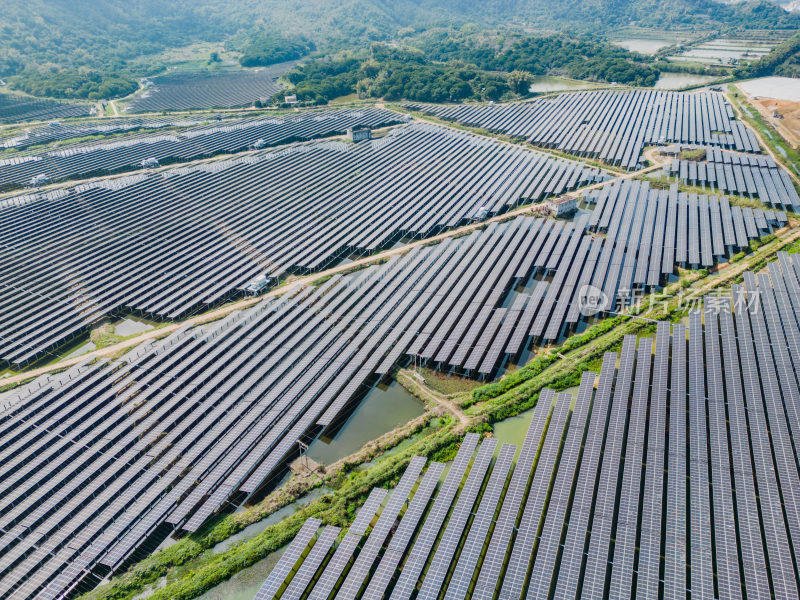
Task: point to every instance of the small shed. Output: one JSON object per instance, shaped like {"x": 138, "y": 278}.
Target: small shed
{"x": 357, "y": 134}
{"x": 562, "y": 206}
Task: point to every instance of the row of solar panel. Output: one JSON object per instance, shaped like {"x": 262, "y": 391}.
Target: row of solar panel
{"x": 58, "y": 131}
{"x": 93, "y": 158}
{"x": 655, "y": 229}
{"x": 771, "y": 184}
{"x": 15, "y": 109}
{"x": 647, "y": 461}
{"x": 220, "y": 408}
{"x": 173, "y": 243}
{"x": 229, "y": 89}
{"x": 612, "y": 126}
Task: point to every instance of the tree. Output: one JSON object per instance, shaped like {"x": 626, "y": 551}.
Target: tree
{"x": 520, "y": 81}
{"x": 460, "y": 90}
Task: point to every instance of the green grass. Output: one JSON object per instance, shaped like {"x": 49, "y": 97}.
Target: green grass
{"x": 659, "y": 181}
{"x": 448, "y": 384}
{"x": 693, "y": 154}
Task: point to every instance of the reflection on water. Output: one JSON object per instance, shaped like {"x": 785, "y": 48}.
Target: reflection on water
{"x": 383, "y": 408}
{"x": 514, "y": 429}
{"x": 547, "y": 83}
{"x": 245, "y": 584}
{"x": 676, "y": 81}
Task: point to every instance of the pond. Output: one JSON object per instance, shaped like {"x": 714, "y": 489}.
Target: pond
{"x": 548, "y": 83}
{"x": 514, "y": 429}
{"x": 644, "y": 45}
{"x": 676, "y": 81}
{"x": 383, "y": 408}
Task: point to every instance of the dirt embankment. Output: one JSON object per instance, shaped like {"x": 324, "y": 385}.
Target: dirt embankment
{"x": 789, "y": 123}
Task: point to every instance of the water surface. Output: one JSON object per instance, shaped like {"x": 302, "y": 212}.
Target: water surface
{"x": 644, "y": 45}
{"x": 548, "y": 83}
{"x": 245, "y": 584}
{"x": 279, "y": 515}
{"x": 383, "y": 408}
{"x": 676, "y": 81}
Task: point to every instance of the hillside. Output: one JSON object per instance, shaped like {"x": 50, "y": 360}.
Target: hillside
{"x": 83, "y": 48}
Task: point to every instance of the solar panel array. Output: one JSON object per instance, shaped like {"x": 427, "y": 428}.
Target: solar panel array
{"x": 16, "y": 109}
{"x": 676, "y": 473}
{"x": 186, "y": 424}
{"x": 173, "y": 243}
{"x": 756, "y": 176}
{"x": 184, "y": 91}
{"x": 129, "y": 152}
{"x": 611, "y": 126}
{"x": 653, "y": 230}
{"x": 58, "y": 131}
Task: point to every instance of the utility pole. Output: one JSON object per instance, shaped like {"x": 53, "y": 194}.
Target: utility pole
{"x": 303, "y": 453}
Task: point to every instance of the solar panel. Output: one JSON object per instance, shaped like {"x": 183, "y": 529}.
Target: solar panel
{"x": 598, "y": 556}
{"x": 369, "y": 552}
{"x": 774, "y": 529}
{"x": 402, "y": 537}
{"x": 449, "y": 542}
{"x": 700, "y": 509}
{"x": 650, "y": 538}
{"x": 418, "y": 555}
{"x": 779, "y": 428}
{"x": 629, "y": 510}
{"x": 463, "y": 573}
{"x": 568, "y": 576}
{"x": 494, "y": 557}
{"x": 675, "y": 540}
{"x": 522, "y": 551}
{"x": 755, "y": 571}
{"x": 288, "y": 560}
{"x": 311, "y": 563}
{"x": 727, "y": 562}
